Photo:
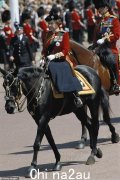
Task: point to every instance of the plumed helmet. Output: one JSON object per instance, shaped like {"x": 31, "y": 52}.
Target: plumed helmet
{"x": 103, "y": 3}
{"x": 53, "y": 17}
{"x": 5, "y": 16}
{"x": 25, "y": 15}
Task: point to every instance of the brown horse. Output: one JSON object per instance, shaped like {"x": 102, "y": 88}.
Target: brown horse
{"x": 84, "y": 56}
{"x": 89, "y": 58}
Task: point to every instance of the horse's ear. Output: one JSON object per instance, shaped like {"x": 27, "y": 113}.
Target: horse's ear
{"x": 4, "y": 73}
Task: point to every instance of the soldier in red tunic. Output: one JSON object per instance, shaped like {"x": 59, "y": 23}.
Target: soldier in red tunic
{"x": 77, "y": 25}
{"x": 56, "y": 50}
{"x": 108, "y": 29}
{"x": 42, "y": 24}
{"x": 90, "y": 16}
{"x": 29, "y": 31}
{"x": 8, "y": 34}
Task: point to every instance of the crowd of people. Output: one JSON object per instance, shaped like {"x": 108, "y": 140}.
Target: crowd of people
{"x": 99, "y": 19}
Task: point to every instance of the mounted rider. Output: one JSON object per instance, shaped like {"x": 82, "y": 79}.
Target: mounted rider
{"x": 56, "y": 49}
{"x": 108, "y": 32}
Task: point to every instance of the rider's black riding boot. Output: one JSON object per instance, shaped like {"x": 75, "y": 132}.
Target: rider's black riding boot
{"x": 114, "y": 76}
{"x": 77, "y": 100}
{"x": 115, "y": 87}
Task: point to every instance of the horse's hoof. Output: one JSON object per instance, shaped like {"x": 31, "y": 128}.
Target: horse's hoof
{"x": 81, "y": 145}
{"x": 31, "y": 172}
{"x": 90, "y": 160}
{"x": 57, "y": 167}
{"x": 99, "y": 153}
{"x": 115, "y": 138}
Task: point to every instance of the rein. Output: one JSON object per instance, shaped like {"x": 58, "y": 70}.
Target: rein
{"x": 39, "y": 95}
{"x": 23, "y": 101}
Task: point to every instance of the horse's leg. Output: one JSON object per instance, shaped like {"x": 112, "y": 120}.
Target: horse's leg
{"x": 94, "y": 110}
{"x": 43, "y": 122}
{"x": 106, "y": 117}
{"x": 81, "y": 144}
{"x": 86, "y": 121}
{"x": 48, "y": 134}
{"x": 115, "y": 136}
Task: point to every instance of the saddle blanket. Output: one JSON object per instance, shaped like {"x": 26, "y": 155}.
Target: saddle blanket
{"x": 87, "y": 88}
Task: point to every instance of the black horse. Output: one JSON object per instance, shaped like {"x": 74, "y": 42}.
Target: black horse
{"x": 36, "y": 86}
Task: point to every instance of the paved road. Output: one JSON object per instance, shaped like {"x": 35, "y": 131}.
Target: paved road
{"x": 17, "y": 133}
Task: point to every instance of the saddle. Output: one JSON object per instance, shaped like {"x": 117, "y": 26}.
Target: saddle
{"x": 86, "y": 87}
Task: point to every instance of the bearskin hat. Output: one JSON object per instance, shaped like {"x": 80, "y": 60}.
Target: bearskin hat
{"x": 40, "y": 11}
{"x": 53, "y": 17}
{"x": 87, "y": 3}
{"x": 5, "y": 16}
{"x": 71, "y": 5}
{"x": 103, "y": 3}
{"x": 25, "y": 15}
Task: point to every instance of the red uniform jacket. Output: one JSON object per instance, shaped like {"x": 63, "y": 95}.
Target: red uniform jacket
{"x": 28, "y": 31}
{"x": 9, "y": 34}
{"x": 109, "y": 26}
{"x": 44, "y": 27}
{"x": 58, "y": 42}
{"x": 90, "y": 17}
{"x": 75, "y": 18}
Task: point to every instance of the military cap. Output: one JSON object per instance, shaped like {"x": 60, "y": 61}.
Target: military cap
{"x": 17, "y": 26}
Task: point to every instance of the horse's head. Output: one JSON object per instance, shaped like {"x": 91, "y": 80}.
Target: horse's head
{"x": 11, "y": 86}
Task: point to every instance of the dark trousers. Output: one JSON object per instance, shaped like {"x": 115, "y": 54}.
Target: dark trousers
{"x": 78, "y": 35}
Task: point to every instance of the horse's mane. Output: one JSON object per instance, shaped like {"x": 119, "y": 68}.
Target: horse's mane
{"x": 29, "y": 72}
{"x": 105, "y": 54}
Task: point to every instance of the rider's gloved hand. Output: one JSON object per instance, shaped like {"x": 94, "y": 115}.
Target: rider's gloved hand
{"x": 51, "y": 57}
{"x": 100, "y": 41}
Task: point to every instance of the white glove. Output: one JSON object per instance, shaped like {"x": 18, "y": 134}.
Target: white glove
{"x": 42, "y": 63}
{"x": 51, "y": 57}
{"x": 100, "y": 41}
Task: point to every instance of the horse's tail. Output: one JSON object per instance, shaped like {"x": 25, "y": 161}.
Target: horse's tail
{"x": 105, "y": 105}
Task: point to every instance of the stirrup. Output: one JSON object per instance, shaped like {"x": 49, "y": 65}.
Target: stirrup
{"x": 78, "y": 102}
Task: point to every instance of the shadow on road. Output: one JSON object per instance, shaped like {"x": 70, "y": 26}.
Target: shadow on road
{"x": 20, "y": 172}
{"x": 113, "y": 120}
{"x": 68, "y": 145}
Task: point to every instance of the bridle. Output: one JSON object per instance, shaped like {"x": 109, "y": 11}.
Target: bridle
{"x": 8, "y": 86}
{"x": 36, "y": 95}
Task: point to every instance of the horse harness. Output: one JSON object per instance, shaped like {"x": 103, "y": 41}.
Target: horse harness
{"x": 8, "y": 86}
